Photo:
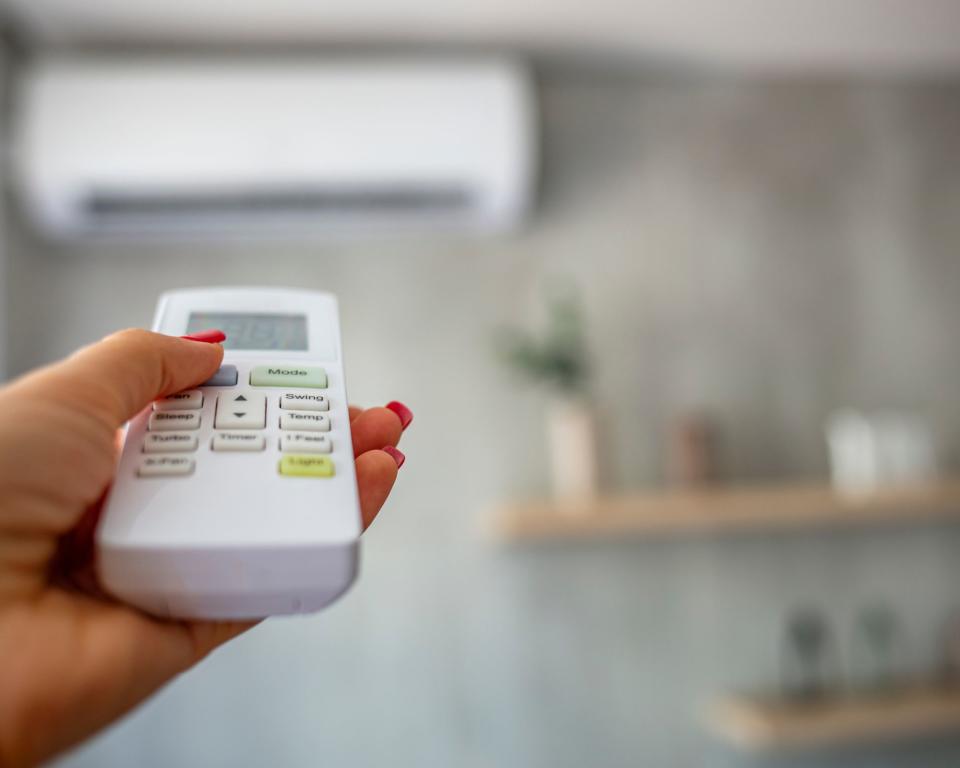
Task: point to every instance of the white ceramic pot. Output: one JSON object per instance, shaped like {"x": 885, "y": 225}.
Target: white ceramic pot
{"x": 572, "y": 446}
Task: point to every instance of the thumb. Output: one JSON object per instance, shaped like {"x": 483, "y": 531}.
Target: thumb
{"x": 117, "y": 377}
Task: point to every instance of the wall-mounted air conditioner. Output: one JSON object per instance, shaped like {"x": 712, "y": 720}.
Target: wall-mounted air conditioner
{"x": 227, "y": 147}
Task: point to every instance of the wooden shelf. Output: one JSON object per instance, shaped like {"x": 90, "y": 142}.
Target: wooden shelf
{"x": 724, "y": 509}
{"x": 764, "y": 724}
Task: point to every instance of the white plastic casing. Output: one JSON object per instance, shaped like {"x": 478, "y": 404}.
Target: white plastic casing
{"x": 235, "y": 539}
{"x": 140, "y": 146}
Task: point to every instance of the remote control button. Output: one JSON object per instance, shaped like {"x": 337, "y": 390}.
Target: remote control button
{"x": 308, "y": 422}
{"x": 306, "y": 466}
{"x": 304, "y": 401}
{"x": 241, "y": 410}
{"x": 169, "y": 442}
{"x": 182, "y": 401}
{"x": 305, "y": 442}
{"x": 226, "y": 377}
{"x": 306, "y": 376}
{"x": 238, "y": 441}
{"x": 171, "y": 421}
{"x": 161, "y": 466}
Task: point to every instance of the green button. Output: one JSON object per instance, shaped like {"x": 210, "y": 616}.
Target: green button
{"x": 306, "y": 466}
{"x": 288, "y": 376}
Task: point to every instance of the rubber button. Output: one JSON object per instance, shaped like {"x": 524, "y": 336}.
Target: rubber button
{"x": 306, "y": 376}
{"x": 171, "y": 421}
{"x": 169, "y": 442}
{"x": 241, "y": 410}
{"x": 226, "y": 377}
{"x": 163, "y": 466}
{"x": 305, "y": 442}
{"x": 306, "y": 466}
{"x": 304, "y": 401}
{"x": 182, "y": 401}
{"x": 238, "y": 441}
{"x": 305, "y": 422}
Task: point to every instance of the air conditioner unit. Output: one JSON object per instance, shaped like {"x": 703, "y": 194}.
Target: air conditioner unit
{"x": 135, "y": 147}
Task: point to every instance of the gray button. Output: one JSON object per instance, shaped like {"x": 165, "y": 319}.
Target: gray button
{"x": 225, "y": 377}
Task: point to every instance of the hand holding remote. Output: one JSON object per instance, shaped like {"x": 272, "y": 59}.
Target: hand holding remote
{"x": 70, "y": 660}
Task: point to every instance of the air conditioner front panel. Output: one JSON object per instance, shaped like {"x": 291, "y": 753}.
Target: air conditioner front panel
{"x": 341, "y": 141}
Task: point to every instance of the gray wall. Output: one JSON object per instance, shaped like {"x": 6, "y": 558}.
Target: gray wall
{"x": 4, "y": 111}
{"x": 768, "y": 251}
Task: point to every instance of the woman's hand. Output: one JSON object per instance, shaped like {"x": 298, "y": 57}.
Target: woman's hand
{"x": 70, "y": 661}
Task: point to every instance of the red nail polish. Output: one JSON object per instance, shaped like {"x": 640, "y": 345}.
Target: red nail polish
{"x": 405, "y": 414}
{"x": 212, "y": 336}
{"x": 395, "y": 454}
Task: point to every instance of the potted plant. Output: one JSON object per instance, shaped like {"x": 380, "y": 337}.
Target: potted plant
{"x": 557, "y": 360}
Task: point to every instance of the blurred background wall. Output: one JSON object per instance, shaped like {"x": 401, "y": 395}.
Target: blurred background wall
{"x": 768, "y": 250}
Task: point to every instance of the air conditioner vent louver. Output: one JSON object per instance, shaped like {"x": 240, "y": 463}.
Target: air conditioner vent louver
{"x": 120, "y": 204}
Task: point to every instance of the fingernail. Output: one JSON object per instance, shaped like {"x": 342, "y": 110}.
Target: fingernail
{"x": 395, "y": 454}
{"x": 405, "y": 414}
{"x": 211, "y": 336}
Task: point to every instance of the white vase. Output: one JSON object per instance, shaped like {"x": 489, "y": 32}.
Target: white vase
{"x": 572, "y": 447}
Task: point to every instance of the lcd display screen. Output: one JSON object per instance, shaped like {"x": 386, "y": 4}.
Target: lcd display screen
{"x": 254, "y": 331}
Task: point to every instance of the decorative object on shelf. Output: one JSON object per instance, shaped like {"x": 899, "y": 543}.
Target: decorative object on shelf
{"x": 808, "y": 663}
{"x": 950, "y": 652}
{"x": 571, "y": 431}
{"x": 878, "y": 654}
{"x": 692, "y": 451}
{"x": 558, "y": 361}
{"x": 869, "y": 451}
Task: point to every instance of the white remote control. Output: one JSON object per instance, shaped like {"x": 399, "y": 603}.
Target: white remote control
{"x": 238, "y": 499}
